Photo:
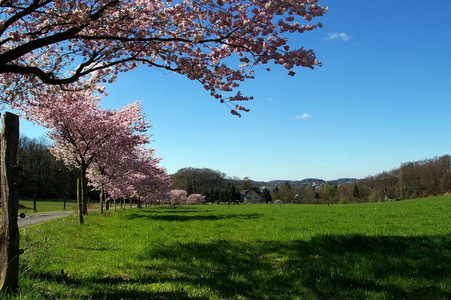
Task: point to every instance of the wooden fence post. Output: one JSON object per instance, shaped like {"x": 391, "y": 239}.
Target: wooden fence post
{"x": 9, "y": 256}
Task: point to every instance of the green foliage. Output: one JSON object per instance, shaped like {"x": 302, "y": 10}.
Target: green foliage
{"x": 362, "y": 251}
{"x": 355, "y": 191}
{"x": 287, "y": 185}
{"x": 286, "y": 193}
{"x": 329, "y": 193}
{"x": 426, "y": 178}
{"x": 231, "y": 193}
{"x": 275, "y": 193}
{"x": 42, "y": 175}
{"x": 246, "y": 184}
{"x": 198, "y": 181}
{"x": 266, "y": 196}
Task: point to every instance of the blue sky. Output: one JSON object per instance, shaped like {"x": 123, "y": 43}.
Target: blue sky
{"x": 381, "y": 98}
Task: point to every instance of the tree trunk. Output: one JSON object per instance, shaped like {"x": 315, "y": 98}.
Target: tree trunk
{"x": 84, "y": 189}
{"x": 80, "y": 202}
{"x": 102, "y": 195}
{"x": 9, "y": 257}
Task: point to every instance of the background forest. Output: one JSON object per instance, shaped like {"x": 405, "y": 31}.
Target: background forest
{"x": 46, "y": 178}
{"x": 411, "y": 180}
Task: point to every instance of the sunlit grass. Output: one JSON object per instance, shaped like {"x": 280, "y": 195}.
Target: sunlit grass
{"x": 373, "y": 251}
{"x": 46, "y": 205}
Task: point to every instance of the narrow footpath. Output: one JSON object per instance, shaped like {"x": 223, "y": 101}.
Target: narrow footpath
{"x": 32, "y": 219}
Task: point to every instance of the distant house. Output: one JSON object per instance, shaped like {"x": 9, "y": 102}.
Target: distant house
{"x": 253, "y": 195}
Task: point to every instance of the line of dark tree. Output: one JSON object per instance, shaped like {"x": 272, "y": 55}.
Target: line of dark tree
{"x": 43, "y": 176}
{"x": 214, "y": 185}
{"x": 429, "y": 177}
{"x": 411, "y": 180}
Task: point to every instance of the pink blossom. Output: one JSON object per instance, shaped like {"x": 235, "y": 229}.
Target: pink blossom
{"x": 195, "y": 199}
{"x": 106, "y": 37}
{"x": 178, "y": 197}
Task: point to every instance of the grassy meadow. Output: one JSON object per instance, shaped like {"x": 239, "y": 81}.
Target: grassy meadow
{"x": 396, "y": 250}
{"x": 46, "y": 205}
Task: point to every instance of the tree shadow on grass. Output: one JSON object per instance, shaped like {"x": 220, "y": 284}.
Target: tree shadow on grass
{"x": 330, "y": 266}
{"x": 183, "y": 218}
{"x": 174, "y": 209}
{"x": 324, "y": 267}
{"x": 104, "y": 288}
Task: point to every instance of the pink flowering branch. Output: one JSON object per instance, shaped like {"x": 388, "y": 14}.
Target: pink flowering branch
{"x": 78, "y": 43}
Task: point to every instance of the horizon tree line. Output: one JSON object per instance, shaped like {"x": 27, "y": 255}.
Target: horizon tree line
{"x": 424, "y": 178}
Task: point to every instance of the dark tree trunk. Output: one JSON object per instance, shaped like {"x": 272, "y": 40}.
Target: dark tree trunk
{"x": 107, "y": 202}
{"x": 102, "y": 195}
{"x": 84, "y": 189}
{"x": 80, "y": 202}
{"x": 9, "y": 256}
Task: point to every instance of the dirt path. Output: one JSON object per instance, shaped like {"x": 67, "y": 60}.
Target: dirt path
{"x": 32, "y": 219}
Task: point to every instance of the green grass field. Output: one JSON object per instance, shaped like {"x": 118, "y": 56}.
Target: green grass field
{"x": 47, "y": 205}
{"x": 397, "y": 250}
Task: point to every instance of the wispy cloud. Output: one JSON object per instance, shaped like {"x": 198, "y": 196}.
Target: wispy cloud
{"x": 303, "y": 116}
{"x": 338, "y": 35}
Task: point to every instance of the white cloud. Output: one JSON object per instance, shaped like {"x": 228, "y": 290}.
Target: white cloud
{"x": 337, "y": 35}
{"x": 303, "y": 116}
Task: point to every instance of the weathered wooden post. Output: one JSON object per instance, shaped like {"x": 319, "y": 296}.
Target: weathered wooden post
{"x": 9, "y": 256}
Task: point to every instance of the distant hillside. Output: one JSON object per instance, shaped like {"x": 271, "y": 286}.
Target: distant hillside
{"x": 342, "y": 181}
{"x": 308, "y": 182}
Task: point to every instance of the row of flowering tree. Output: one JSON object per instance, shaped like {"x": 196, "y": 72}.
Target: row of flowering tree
{"x": 108, "y": 146}
{"x": 179, "y": 197}
{"x": 75, "y": 43}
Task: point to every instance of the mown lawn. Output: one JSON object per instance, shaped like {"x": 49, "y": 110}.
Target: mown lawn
{"x": 46, "y": 205}
{"x": 363, "y": 251}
